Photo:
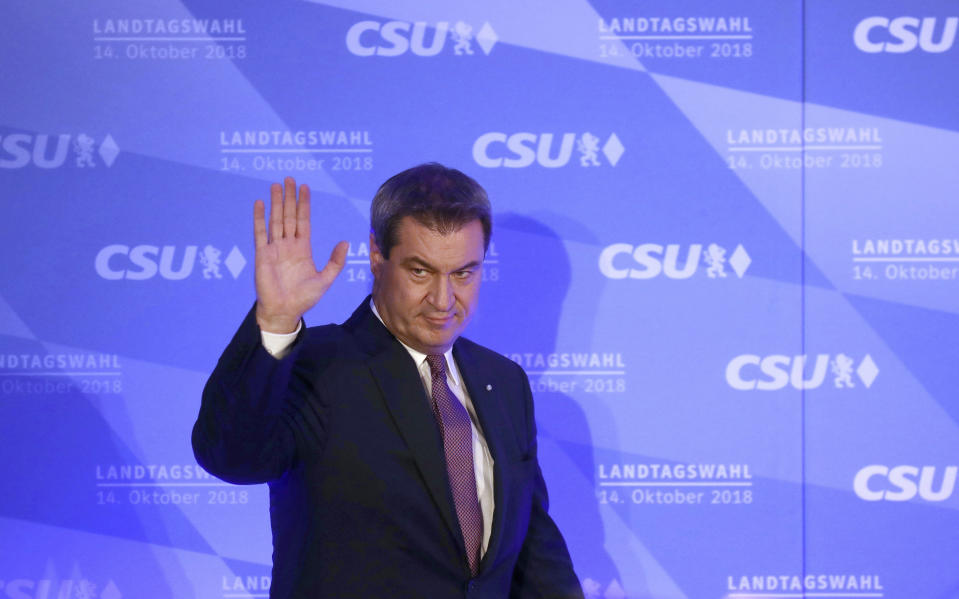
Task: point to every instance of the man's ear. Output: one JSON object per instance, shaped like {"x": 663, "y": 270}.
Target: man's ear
{"x": 376, "y": 256}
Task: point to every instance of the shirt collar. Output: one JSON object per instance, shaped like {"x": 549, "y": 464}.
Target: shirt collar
{"x": 419, "y": 358}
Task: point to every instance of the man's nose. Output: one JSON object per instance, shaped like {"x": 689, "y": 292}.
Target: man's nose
{"x": 441, "y": 293}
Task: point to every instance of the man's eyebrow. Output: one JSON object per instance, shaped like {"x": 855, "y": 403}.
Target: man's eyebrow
{"x": 469, "y": 265}
{"x": 419, "y": 262}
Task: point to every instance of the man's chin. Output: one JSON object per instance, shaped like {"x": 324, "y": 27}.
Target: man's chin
{"x": 438, "y": 341}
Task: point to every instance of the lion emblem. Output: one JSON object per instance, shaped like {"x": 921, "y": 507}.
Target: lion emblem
{"x": 462, "y": 34}
{"x": 588, "y": 147}
{"x": 210, "y": 259}
{"x": 842, "y": 368}
{"x": 715, "y": 257}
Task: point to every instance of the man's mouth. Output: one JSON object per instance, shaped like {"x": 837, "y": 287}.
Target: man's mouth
{"x": 441, "y": 320}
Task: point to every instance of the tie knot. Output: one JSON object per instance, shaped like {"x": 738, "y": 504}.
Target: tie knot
{"x": 437, "y": 364}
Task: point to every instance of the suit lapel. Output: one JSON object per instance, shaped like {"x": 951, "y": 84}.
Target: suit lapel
{"x": 397, "y": 378}
{"x": 487, "y": 401}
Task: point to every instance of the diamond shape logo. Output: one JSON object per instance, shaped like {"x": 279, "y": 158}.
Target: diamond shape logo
{"x": 613, "y": 149}
{"x": 740, "y": 260}
{"x": 109, "y": 150}
{"x": 614, "y": 591}
{"x": 591, "y": 588}
{"x": 867, "y": 371}
{"x": 110, "y": 591}
{"x": 486, "y": 38}
{"x": 235, "y": 262}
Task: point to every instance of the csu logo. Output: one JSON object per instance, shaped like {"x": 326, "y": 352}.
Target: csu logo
{"x": 750, "y": 372}
{"x": 519, "y": 150}
{"x": 395, "y": 38}
{"x": 902, "y": 483}
{"x": 904, "y": 34}
{"x": 649, "y": 260}
{"x": 142, "y": 262}
{"x": 18, "y": 150}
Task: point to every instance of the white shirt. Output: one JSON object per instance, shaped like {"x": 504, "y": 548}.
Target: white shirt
{"x": 278, "y": 345}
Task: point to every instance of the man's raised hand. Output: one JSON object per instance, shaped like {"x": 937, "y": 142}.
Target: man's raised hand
{"x": 287, "y": 281}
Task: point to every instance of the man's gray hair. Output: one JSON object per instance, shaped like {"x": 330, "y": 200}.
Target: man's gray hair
{"x": 440, "y": 198}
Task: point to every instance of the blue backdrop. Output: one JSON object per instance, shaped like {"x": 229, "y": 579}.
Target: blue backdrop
{"x": 726, "y": 251}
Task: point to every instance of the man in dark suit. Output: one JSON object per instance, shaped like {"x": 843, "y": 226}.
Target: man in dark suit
{"x": 401, "y": 458}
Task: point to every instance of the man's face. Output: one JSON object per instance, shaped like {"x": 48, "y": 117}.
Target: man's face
{"x": 427, "y": 290}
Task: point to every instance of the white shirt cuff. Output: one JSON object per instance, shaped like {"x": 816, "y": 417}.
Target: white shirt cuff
{"x": 278, "y": 344}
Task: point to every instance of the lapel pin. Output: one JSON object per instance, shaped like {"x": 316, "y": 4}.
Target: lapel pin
{"x": 489, "y": 387}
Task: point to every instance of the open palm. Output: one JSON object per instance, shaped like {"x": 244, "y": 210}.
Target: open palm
{"x": 287, "y": 281}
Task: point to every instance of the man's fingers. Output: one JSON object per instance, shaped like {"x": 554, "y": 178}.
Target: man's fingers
{"x": 338, "y": 255}
{"x": 259, "y": 224}
{"x": 289, "y": 207}
{"x": 276, "y": 212}
{"x": 337, "y": 261}
{"x": 303, "y": 213}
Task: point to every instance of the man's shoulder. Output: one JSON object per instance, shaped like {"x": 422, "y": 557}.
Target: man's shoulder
{"x": 486, "y": 356}
{"x": 325, "y": 331}
{"x": 343, "y": 332}
{"x": 328, "y": 337}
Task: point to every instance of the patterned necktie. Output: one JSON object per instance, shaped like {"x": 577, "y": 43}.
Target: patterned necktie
{"x": 454, "y": 423}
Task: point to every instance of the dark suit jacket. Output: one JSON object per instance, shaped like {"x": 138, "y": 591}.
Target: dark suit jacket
{"x": 360, "y": 506}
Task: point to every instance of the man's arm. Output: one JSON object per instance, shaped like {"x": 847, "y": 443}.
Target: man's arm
{"x": 244, "y": 433}
{"x": 250, "y": 412}
{"x": 544, "y": 569}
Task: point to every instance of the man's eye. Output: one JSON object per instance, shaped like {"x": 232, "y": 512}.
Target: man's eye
{"x": 418, "y": 272}
{"x": 463, "y": 274}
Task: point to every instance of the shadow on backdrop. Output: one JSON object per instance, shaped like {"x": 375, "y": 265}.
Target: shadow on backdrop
{"x": 527, "y": 277}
